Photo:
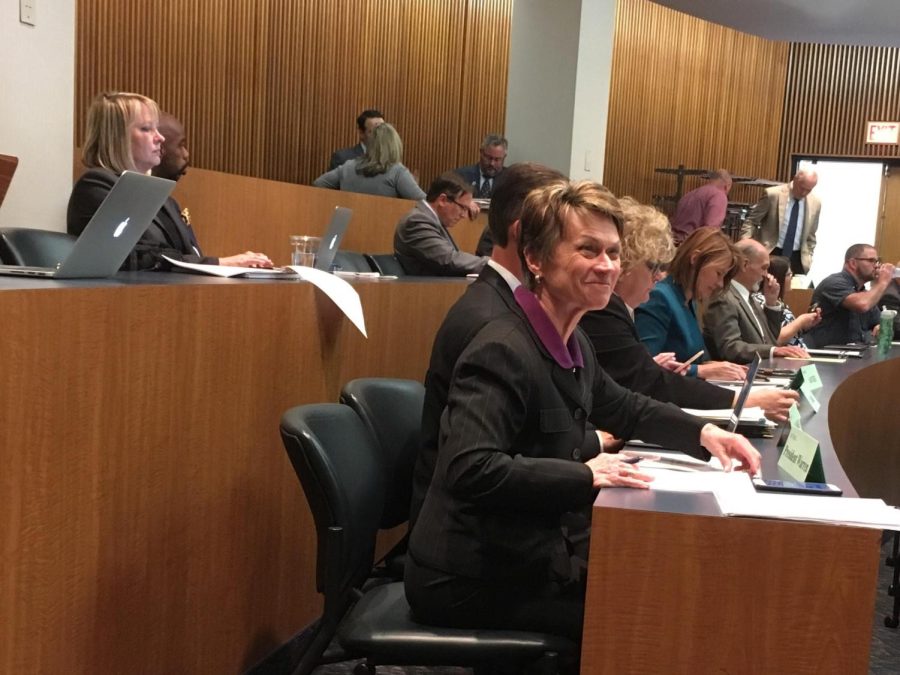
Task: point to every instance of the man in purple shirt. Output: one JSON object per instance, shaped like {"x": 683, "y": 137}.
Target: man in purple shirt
{"x": 703, "y": 207}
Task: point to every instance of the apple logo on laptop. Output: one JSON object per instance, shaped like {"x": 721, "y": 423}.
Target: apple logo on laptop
{"x": 121, "y": 227}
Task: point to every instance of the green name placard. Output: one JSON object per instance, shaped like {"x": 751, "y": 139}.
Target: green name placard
{"x": 807, "y": 391}
{"x": 801, "y": 458}
{"x": 794, "y": 416}
{"x": 811, "y": 377}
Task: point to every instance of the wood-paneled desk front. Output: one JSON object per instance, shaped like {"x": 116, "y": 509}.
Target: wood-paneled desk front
{"x": 151, "y": 522}
{"x": 675, "y": 587}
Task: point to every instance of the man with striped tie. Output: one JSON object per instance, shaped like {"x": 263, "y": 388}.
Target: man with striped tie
{"x": 481, "y": 176}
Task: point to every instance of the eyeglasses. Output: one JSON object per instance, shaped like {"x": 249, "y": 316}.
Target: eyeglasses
{"x": 874, "y": 261}
{"x": 453, "y": 200}
{"x": 657, "y": 268}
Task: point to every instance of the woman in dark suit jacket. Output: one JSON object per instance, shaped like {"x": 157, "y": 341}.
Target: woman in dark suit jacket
{"x": 647, "y": 250}
{"x": 488, "y": 549}
{"x": 123, "y": 135}
{"x": 670, "y": 321}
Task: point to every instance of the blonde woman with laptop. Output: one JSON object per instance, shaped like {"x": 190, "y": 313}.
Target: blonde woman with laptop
{"x": 123, "y": 135}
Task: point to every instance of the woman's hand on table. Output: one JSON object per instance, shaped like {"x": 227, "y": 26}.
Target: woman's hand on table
{"x": 614, "y": 471}
{"x": 728, "y": 447}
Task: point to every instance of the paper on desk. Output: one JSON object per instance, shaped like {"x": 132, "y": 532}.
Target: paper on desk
{"x": 214, "y": 270}
{"x": 341, "y": 293}
{"x": 872, "y": 513}
{"x": 819, "y": 359}
{"x": 754, "y": 415}
{"x": 698, "y": 481}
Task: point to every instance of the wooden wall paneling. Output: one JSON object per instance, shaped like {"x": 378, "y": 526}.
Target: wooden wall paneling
{"x": 832, "y": 91}
{"x": 152, "y": 522}
{"x": 234, "y": 213}
{"x": 270, "y": 88}
{"x": 686, "y": 91}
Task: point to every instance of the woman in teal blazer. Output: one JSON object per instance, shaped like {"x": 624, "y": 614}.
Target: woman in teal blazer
{"x": 670, "y": 321}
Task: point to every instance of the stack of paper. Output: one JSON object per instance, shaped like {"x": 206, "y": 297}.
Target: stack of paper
{"x": 872, "y": 513}
{"x": 736, "y": 496}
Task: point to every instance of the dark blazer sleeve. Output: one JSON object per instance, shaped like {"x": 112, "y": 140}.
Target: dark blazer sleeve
{"x": 88, "y": 193}
{"x": 628, "y": 415}
{"x": 620, "y": 353}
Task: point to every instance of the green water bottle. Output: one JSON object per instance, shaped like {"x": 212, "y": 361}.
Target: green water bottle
{"x": 886, "y": 331}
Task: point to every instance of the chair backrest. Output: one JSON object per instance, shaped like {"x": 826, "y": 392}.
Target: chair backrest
{"x": 351, "y": 261}
{"x": 392, "y": 410}
{"x": 8, "y": 165}
{"x": 335, "y": 458}
{"x": 386, "y": 263}
{"x": 40, "y": 248}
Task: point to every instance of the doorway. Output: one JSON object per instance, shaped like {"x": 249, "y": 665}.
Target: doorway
{"x": 851, "y": 195}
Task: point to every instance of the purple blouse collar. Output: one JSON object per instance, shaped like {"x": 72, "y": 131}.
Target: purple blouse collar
{"x": 566, "y": 355}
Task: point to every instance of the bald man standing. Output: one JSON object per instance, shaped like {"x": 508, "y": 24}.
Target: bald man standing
{"x": 785, "y": 220}
{"x": 735, "y": 326}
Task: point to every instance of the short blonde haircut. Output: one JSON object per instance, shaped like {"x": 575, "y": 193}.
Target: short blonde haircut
{"x": 107, "y": 142}
{"x": 546, "y": 210}
{"x": 383, "y": 150}
{"x": 646, "y": 236}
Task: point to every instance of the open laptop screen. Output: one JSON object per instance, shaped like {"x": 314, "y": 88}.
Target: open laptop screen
{"x": 742, "y": 397}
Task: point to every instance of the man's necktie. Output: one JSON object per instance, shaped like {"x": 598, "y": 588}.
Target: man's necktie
{"x": 486, "y": 188}
{"x": 788, "y": 247}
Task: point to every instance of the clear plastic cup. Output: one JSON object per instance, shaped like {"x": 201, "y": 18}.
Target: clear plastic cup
{"x": 304, "y": 249}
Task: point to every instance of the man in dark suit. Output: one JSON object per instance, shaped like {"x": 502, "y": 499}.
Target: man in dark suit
{"x": 422, "y": 241}
{"x": 736, "y": 327}
{"x": 481, "y": 176}
{"x": 171, "y": 233}
{"x": 489, "y": 296}
{"x": 365, "y": 125}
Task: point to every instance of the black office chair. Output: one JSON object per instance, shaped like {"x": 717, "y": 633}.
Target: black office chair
{"x": 339, "y": 467}
{"x": 351, "y": 261}
{"x": 392, "y": 411}
{"x": 39, "y": 248}
{"x": 386, "y": 263}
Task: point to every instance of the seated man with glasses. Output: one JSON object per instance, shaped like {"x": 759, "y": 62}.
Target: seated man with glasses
{"x": 849, "y": 311}
{"x": 422, "y": 241}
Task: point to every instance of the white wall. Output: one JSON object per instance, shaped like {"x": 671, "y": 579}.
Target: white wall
{"x": 592, "y": 83}
{"x": 37, "y": 90}
{"x": 559, "y": 76}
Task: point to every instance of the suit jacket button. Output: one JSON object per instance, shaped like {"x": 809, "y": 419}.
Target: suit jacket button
{"x": 576, "y": 455}
{"x": 579, "y": 414}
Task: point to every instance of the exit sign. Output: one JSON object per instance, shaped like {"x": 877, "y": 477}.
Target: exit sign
{"x": 883, "y": 132}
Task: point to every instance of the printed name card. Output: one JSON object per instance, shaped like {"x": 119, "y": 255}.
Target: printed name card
{"x": 807, "y": 392}
{"x": 794, "y": 416}
{"x": 811, "y": 377}
{"x": 801, "y": 458}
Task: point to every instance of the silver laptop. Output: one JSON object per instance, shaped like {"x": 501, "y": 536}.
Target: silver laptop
{"x": 331, "y": 240}
{"x": 328, "y": 248}
{"x": 112, "y": 233}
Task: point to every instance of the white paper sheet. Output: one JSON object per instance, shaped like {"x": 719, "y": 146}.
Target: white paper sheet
{"x": 341, "y": 293}
{"x": 872, "y": 513}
